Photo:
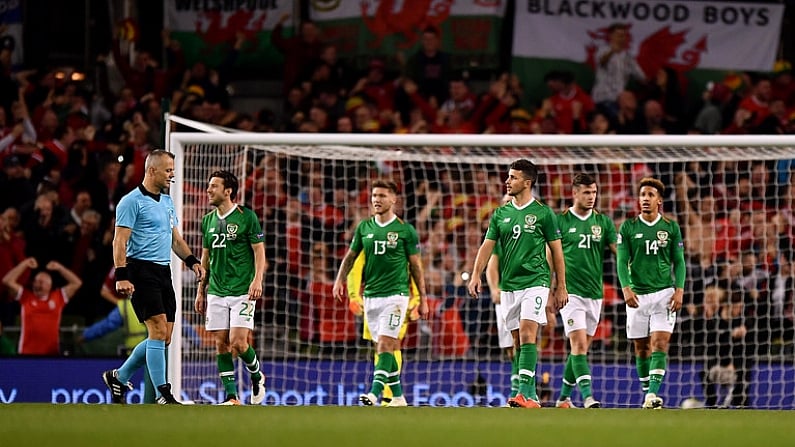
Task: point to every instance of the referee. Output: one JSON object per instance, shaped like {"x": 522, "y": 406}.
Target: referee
{"x": 146, "y": 232}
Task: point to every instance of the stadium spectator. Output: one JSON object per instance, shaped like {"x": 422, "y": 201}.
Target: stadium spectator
{"x": 377, "y": 87}
{"x": 430, "y": 67}
{"x": 15, "y": 177}
{"x": 340, "y": 74}
{"x": 709, "y": 119}
{"x": 615, "y": 66}
{"x": 783, "y": 83}
{"x": 139, "y": 76}
{"x": 628, "y": 120}
{"x": 665, "y": 89}
{"x": 727, "y": 343}
{"x": 300, "y": 52}
{"x": 40, "y": 227}
{"x": 753, "y": 109}
{"x": 569, "y": 103}
{"x": 41, "y": 305}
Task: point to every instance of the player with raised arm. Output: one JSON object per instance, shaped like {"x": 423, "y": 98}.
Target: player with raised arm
{"x": 356, "y": 306}
{"x": 585, "y": 234}
{"x": 523, "y": 228}
{"x": 392, "y": 254}
{"x": 146, "y": 234}
{"x": 233, "y": 253}
{"x": 651, "y": 269}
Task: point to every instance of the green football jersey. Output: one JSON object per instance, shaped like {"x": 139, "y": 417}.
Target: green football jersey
{"x": 229, "y": 239}
{"x": 386, "y": 255}
{"x": 584, "y": 242}
{"x": 522, "y": 234}
{"x": 649, "y": 250}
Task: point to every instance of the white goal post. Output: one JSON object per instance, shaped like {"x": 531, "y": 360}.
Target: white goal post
{"x": 303, "y": 367}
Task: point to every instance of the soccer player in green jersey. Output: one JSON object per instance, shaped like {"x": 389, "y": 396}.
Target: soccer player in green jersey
{"x": 523, "y": 228}
{"x": 650, "y": 249}
{"x": 234, "y": 255}
{"x": 585, "y": 234}
{"x": 391, "y": 253}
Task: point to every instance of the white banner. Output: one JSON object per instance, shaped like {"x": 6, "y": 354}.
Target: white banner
{"x": 221, "y": 20}
{"x": 684, "y": 35}
{"x": 403, "y": 11}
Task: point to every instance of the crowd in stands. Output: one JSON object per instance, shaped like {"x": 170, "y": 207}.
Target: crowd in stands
{"x": 69, "y": 153}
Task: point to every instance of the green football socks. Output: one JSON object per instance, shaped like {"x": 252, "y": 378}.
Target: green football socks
{"x": 528, "y": 357}
{"x": 642, "y": 366}
{"x": 226, "y": 369}
{"x": 579, "y": 365}
{"x": 568, "y": 380}
{"x": 656, "y": 371}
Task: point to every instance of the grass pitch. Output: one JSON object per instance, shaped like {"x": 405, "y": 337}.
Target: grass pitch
{"x": 41, "y": 425}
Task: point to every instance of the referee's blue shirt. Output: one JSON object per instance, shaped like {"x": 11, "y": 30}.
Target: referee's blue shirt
{"x": 151, "y": 218}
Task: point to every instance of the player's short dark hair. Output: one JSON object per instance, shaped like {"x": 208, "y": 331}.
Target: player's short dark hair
{"x": 230, "y": 181}
{"x": 654, "y": 183}
{"x": 582, "y": 179}
{"x": 528, "y": 169}
{"x": 388, "y": 184}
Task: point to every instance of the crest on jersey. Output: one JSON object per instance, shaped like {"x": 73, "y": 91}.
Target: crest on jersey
{"x": 530, "y": 219}
{"x": 662, "y": 238}
{"x": 391, "y": 239}
{"x": 231, "y": 231}
{"x": 596, "y": 233}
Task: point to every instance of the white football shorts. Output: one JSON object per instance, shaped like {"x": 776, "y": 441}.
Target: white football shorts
{"x": 385, "y": 315}
{"x": 527, "y": 304}
{"x": 652, "y": 315}
{"x": 581, "y": 313}
{"x": 224, "y": 312}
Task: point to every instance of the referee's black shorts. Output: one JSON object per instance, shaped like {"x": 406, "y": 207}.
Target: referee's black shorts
{"x": 154, "y": 291}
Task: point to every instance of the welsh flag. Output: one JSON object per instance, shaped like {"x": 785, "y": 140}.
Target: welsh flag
{"x": 701, "y": 40}
{"x": 207, "y": 30}
{"x": 470, "y": 30}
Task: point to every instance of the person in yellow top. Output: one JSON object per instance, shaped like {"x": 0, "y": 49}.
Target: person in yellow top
{"x": 356, "y": 306}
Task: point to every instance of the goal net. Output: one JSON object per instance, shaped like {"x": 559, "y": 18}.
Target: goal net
{"x": 733, "y": 341}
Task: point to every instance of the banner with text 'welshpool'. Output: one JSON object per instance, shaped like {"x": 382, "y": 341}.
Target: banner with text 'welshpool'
{"x": 470, "y": 30}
